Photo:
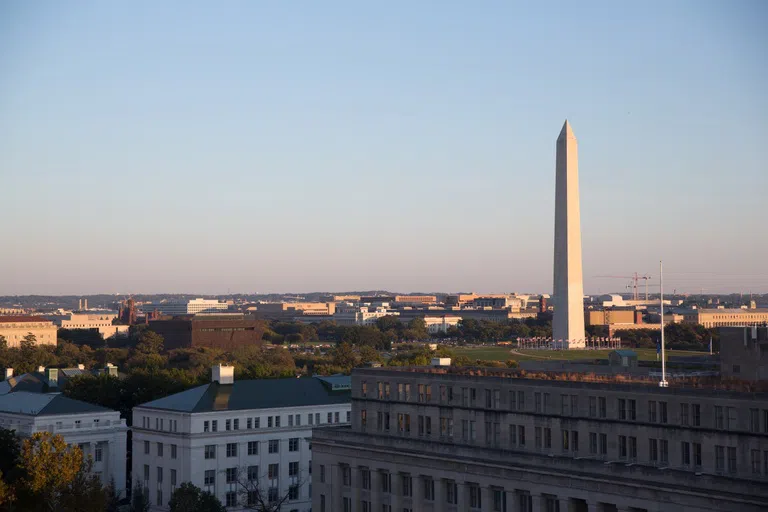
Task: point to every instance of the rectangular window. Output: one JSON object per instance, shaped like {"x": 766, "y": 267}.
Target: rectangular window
{"x": 684, "y": 414}
{"x": 754, "y": 420}
{"x": 697, "y": 454}
{"x": 274, "y": 445}
{"x": 249, "y": 423}
{"x": 230, "y": 499}
{"x": 732, "y": 459}
{"x": 210, "y": 477}
{"x": 173, "y": 451}
{"x": 293, "y": 444}
{"x": 146, "y": 472}
{"x": 452, "y": 492}
{"x": 159, "y": 449}
{"x": 227, "y": 424}
{"x": 253, "y": 473}
{"x": 565, "y": 439}
{"x": 253, "y": 447}
{"x": 632, "y": 448}
{"x": 231, "y": 449}
{"x": 365, "y": 478}
{"x": 290, "y": 420}
{"x": 386, "y": 481}
{"x": 653, "y": 450}
{"x": 97, "y": 454}
{"x": 547, "y": 438}
{"x": 696, "y": 414}
{"x": 537, "y": 438}
{"x": 346, "y": 476}
{"x": 270, "y": 421}
{"x": 685, "y": 453}
{"x": 664, "y": 451}
{"x": 652, "y": 411}
{"x": 632, "y": 409}
{"x": 537, "y": 402}
{"x": 273, "y": 471}
{"x": 257, "y": 422}
{"x": 407, "y": 485}
{"x": 474, "y": 496}
{"x": 159, "y": 474}
{"x": 322, "y": 474}
{"x": 159, "y": 498}
{"x": 173, "y": 478}
{"x": 592, "y": 406}
{"x": 309, "y": 419}
{"x": 520, "y": 434}
{"x": 603, "y": 407}
{"x": 755, "y": 460}
{"x": 210, "y": 451}
{"x": 429, "y": 489}
{"x": 146, "y": 447}
{"x": 719, "y": 458}
{"x": 512, "y": 434}
{"x": 623, "y": 447}
{"x": 622, "y": 409}
{"x": 662, "y": 412}
{"x": 214, "y": 425}
{"x": 719, "y": 417}
{"x": 520, "y": 400}
{"x": 593, "y": 443}
{"x": 277, "y": 421}
{"x": 206, "y": 426}
{"x": 603, "y": 444}
{"x": 231, "y": 475}
{"x": 731, "y": 418}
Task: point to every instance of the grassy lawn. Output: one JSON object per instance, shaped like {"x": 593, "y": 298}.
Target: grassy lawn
{"x": 490, "y": 353}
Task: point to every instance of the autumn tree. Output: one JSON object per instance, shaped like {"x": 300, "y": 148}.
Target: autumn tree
{"x": 253, "y": 496}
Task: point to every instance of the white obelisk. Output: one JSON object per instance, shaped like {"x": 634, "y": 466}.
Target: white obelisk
{"x": 568, "y": 322}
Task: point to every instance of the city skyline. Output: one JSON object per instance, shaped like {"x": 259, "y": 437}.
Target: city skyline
{"x": 278, "y": 149}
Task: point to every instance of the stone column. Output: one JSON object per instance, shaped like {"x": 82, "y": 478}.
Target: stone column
{"x": 439, "y": 494}
{"x": 375, "y": 490}
{"x": 537, "y": 503}
{"x": 564, "y": 504}
{"x": 355, "y": 481}
{"x": 462, "y": 495}
{"x": 335, "y": 501}
{"x": 486, "y": 499}
{"x": 417, "y": 488}
{"x": 397, "y": 492}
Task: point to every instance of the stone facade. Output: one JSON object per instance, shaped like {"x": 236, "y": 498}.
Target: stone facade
{"x": 744, "y": 352}
{"x": 445, "y": 440}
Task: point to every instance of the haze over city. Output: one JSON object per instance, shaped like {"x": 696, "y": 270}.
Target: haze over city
{"x": 278, "y": 147}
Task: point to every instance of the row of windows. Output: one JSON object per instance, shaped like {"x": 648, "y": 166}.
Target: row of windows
{"x": 690, "y": 454}
{"x": 160, "y": 424}
{"x": 725, "y": 418}
{"x": 273, "y": 446}
{"x": 407, "y": 482}
{"x": 160, "y": 449}
{"x": 294, "y": 420}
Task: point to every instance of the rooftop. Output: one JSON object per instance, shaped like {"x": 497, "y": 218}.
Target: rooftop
{"x": 709, "y": 383}
{"x": 257, "y": 394}
{"x": 7, "y": 319}
{"x": 45, "y": 404}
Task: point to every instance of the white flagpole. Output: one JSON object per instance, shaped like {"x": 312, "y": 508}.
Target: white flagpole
{"x": 663, "y": 382}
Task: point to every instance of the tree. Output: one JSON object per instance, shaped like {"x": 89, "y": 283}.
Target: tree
{"x": 139, "y": 498}
{"x": 27, "y": 345}
{"x": 190, "y": 498}
{"x": 252, "y": 496}
{"x": 3, "y": 343}
{"x": 149, "y": 342}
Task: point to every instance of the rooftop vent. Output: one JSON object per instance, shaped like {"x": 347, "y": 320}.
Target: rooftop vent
{"x": 223, "y": 374}
{"x": 441, "y": 361}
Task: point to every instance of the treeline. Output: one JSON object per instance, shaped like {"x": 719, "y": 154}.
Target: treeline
{"x": 676, "y": 337}
{"x": 390, "y": 329}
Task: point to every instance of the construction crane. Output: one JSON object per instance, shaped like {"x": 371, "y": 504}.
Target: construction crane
{"x": 633, "y": 284}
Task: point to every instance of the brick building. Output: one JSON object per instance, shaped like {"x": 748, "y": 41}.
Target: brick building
{"x": 224, "y": 331}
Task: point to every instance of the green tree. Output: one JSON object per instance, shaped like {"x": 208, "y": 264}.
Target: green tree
{"x": 139, "y": 498}
{"x": 149, "y": 342}
{"x": 344, "y": 357}
{"x": 27, "y": 346}
{"x": 3, "y": 344}
{"x": 190, "y": 498}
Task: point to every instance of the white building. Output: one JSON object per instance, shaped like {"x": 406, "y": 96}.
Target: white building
{"x": 93, "y": 320}
{"x": 185, "y": 307}
{"x": 99, "y": 431}
{"x": 224, "y": 432}
{"x": 441, "y": 323}
{"x": 360, "y": 315}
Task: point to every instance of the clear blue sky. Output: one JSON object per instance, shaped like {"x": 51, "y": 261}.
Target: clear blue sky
{"x": 303, "y": 145}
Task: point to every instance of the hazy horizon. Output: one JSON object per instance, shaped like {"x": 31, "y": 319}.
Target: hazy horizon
{"x": 260, "y": 147}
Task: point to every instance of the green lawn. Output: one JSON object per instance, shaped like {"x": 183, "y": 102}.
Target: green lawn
{"x": 490, "y": 353}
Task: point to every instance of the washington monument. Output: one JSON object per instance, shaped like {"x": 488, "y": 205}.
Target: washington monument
{"x": 568, "y": 322}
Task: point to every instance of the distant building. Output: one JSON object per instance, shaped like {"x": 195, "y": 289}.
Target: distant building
{"x": 12, "y": 311}
{"x": 101, "y": 321}
{"x": 504, "y": 302}
{"x": 49, "y": 380}
{"x": 15, "y": 327}
{"x": 185, "y": 307}
{"x": 415, "y": 299}
{"x": 224, "y": 331}
{"x": 744, "y": 355}
{"x": 213, "y": 435}
{"x": 442, "y": 323}
{"x": 286, "y": 310}
{"x": 360, "y": 315}
{"x": 725, "y": 317}
{"x": 340, "y": 298}
{"x": 98, "y": 431}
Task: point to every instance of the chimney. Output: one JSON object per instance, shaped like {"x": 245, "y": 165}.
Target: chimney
{"x": 41, "y": 369}
{"x": 52, "y": 374}
{"x": 8, "y": 373}
{"x": 223, "y": 374}
{"x": 81, "y": 367}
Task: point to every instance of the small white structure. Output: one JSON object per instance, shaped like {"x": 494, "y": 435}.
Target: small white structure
{"x": 98, "y": 431}
{"x": 441, "y": 361}
{"x": 360, "y": 315}
{"x": 215, "y": 434}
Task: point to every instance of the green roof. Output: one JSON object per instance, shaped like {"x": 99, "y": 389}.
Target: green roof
{"x": 45, "y": 404}
{"x": 252, "y": 394}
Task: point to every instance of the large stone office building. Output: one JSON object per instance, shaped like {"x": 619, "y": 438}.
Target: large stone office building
{"x": 440, "y": 439}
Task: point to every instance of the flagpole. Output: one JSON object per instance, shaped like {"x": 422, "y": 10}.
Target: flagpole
{"x": 663, "y": 382}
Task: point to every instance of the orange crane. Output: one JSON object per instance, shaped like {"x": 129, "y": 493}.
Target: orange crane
{"x": 634, "y": 280}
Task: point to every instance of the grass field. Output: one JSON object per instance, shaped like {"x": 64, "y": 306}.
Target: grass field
{"x": 490, "y": 353}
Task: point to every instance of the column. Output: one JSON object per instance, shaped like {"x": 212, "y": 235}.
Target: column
{"x": 397, "y": 492}
{"x": 462, "y": 495}
{"x": 376, "y": 490}
{"x": 564, "y": 504}
{"x": 356, "y": 482}
{"x": 486, "y": 499}
{"x": 439, "y": 494}
{"x": 511, "y": 497}
{"x": 335, "y": 501}
{"x": 538, "y": 503}
{"x": 417, "y": 501}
